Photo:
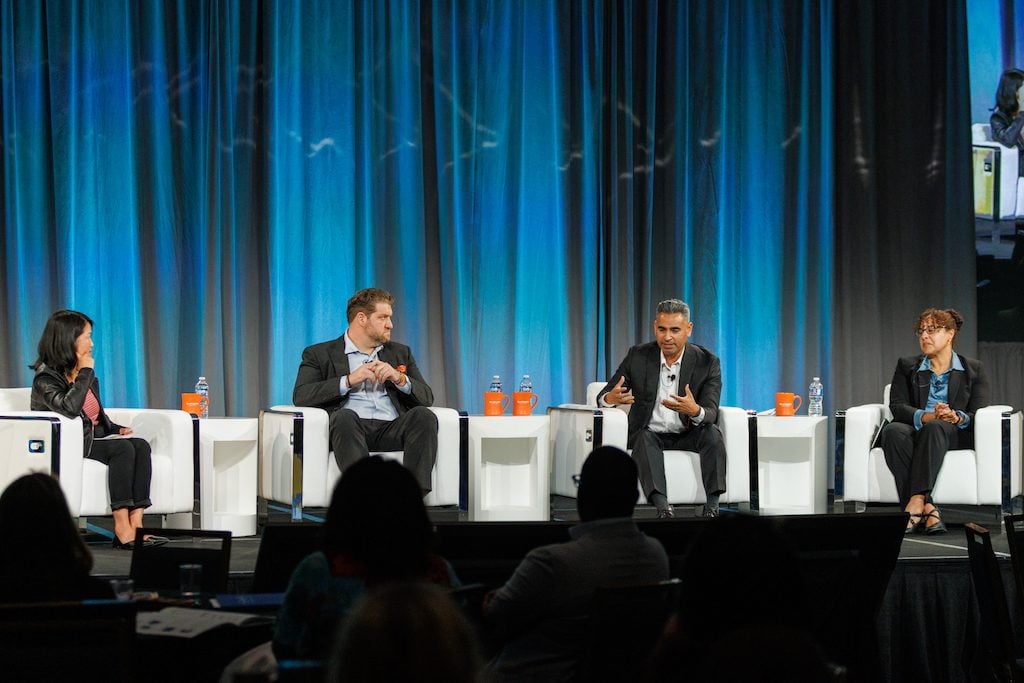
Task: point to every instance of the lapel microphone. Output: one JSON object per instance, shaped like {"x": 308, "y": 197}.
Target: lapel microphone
{"x": 671, "y": 378}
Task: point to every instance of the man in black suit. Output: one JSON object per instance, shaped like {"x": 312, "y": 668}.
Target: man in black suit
{"x": 381, "y": 404}
{"x": 674, "y": 388}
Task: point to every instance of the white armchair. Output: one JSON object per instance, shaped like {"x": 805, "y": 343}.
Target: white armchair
{"x": 998, "y": 191}
{"x": 990, "y": 474}
{"x": 46, "y": 441}
{"x": 297, "y": 467}
{"x": 577, "y": 429}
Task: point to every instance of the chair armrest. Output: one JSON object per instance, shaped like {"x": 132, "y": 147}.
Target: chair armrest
{"x": 861, "y": 423}
{"x": 989, "y": 446}
{"x": 64, "y": 446}
{"x": 734, "y": 424}
{"x": 170, "y": 433}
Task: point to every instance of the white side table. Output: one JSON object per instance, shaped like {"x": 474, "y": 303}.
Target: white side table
{"x": 509, "y": 468}
{"x": 792, "y": 466}
{"x": 227, "y": 466}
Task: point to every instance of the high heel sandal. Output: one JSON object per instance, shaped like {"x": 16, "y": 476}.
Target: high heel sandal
{"x": 939, "y": 527}
{"x": 915, "y": 521}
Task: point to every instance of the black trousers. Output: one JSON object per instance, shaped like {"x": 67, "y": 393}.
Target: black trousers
{"x": 649, "y": 453}
{"x": 129, "y": 470}
{"x": 915, "y": 457}
{"x": 414, "y": 432}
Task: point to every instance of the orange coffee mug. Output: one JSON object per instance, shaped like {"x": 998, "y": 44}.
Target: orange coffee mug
{"x": 495, "y": 402}
{"x": 523, "y": 402}
{"x": 786, "y": 404}
{"x": 192, "y": 403}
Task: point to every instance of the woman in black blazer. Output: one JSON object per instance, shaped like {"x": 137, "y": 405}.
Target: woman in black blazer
{"x": 1006, "y": 121}
{"x": 66, "y": 383}
{"x": 933, "y": 398}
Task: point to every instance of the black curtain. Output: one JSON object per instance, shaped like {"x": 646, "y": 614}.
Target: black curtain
{"x": 904, "y": 235}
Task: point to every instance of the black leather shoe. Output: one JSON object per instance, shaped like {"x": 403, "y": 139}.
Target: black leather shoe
{"x": 914, "y": 525}
{"x": 937, "y": 528}
{"x": 667, "y": 513}
{"x": 127, "y": 545}
{"x": 710, "y": 511}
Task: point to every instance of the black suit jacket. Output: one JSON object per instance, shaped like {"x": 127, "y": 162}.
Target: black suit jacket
{"x": 968, "y": 390}
{"x": 642, "y": 369}
{"x": 324, "y": 364}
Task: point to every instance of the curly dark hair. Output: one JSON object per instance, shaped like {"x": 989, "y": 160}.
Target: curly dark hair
{"x": 1006, "y": 92}
{"x": 57, "y": 345}
{"x": 948, "y": 318}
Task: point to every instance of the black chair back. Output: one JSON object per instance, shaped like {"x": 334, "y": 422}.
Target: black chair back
{"x": 1014, "y": 525}
{"x": 282, "y": 547}
{"x": 92, "y": 640}
{"x": 624, "y": 625}
{"x": 156, "y": 568}
{"x": 996, "y": 627}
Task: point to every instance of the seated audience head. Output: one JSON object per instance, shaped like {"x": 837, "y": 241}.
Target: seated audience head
{"x": 377, "y": 519}
{"x": 1008, "y": 92}
{"x": 42, "y": 556}
{"x": 57, "y": 345}
{"x": 406, "y": 632}
{"x": 608, "y": 485}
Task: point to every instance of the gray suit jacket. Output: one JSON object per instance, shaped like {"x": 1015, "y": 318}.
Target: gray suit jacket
{"x": 323, "y": 365}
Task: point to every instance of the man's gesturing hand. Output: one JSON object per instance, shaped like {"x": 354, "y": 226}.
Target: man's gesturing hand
{"x": 619, "y": 395}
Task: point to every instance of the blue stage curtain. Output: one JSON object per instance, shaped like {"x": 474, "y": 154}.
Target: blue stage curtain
{"x": 211, "y": 181}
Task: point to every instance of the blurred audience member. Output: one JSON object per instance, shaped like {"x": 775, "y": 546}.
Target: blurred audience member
{"x": 406, "y": 632}
{"x": 42, "y": 557}
{"x": 541, "y": 612}
{"x": 376, "y": 531}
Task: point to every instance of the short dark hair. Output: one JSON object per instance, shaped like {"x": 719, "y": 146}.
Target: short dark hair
{"x": 673, "y": 306}
{"x": 366, "y": 300}
{"x": 607, "y": 485}
{"x": 377, "y": 518}
{"x": 57, "y": 345}
{"x": 1006, "y": 93}
{"x": 948, "y": 318}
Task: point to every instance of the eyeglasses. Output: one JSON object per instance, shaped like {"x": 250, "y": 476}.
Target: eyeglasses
{"x": 928, "y": 330}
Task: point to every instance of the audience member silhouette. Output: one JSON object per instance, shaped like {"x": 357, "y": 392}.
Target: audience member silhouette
{"x": 42, "y": 557}
{"x": 376, "y": 531}
{"x": 540, "y": 613}
{"x": 406, "y": 632}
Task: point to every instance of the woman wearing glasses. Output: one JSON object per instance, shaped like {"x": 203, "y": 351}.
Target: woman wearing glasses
{"x": 933, "y": 399}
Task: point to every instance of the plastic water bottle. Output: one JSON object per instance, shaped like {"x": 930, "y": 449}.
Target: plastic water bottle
{"x": 526, "y": 384}
{"x": 203, "y": 389}
{"x": 495, "y": 384}
{"x": 815, "y": 396}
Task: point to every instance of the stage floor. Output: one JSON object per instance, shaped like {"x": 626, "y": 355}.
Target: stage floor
{"x": 951, "y": 546}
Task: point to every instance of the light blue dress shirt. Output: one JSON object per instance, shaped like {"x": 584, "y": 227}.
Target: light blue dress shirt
{"x": 368, "y": 399}
{"x": 938, "y": 392}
